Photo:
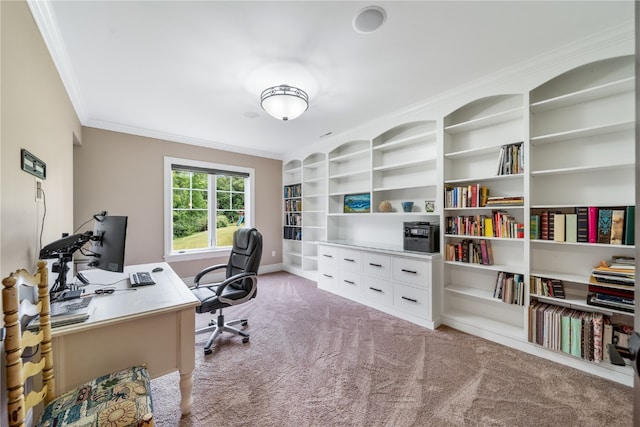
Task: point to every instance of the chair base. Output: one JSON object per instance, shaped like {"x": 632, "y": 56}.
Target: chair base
{"x": 221, "y": 326}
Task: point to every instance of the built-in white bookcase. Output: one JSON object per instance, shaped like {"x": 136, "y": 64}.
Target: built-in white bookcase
{"x": 582, "y": 154}
{"x": 314, "y": 212}
{"x": 474, "y": 135}
{"x": 575, "y": 147}
{"x": 292, "y": 246}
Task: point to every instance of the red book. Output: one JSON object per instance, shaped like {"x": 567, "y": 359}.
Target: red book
{"x": 544, "y": 225}
{"x": 592, "y": 224}
{"x": 474, "y": 196}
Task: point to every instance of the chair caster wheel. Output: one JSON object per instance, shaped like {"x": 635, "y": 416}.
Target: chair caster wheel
{"x": 208, "y": 351}
{"x": 245, "y": 340}
{"x": 245, "y": 323}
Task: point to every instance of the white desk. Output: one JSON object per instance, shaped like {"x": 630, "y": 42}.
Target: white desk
{"x": 153, "y": 325}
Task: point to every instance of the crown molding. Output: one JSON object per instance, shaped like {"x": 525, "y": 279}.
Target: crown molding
{"x": 169, "y": 137}
{"x": 45, "y": 20}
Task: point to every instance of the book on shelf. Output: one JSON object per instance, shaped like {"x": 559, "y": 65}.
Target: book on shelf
{"x": 571, "y": 227}
{"x": 291, "y": 191}
{"x": 604, "y": 225}
{"x": 484, "y": 196}
{"x": 628, "y": 293}
{"x": 598, "y": 301}
{"x": 467, "y": 196}
{"x": 488, "y": 227}
{"x": 558, "y": 227}
{"x": 592, "y": 224}
{"x": 629, "y": 225}
{"x": 543, "y": 286}
{"x": 552, "y": 218}
{"x": 509, "y": 288}
{"x": 469, "y": 251}
{"x": 505, "y": 201}
{"x": 617, "y": 226}
{"x": 534, "y": 227}
{"x": 582, "y": 216}
{"x": 510, "y": 159}
{"x": 544, "y": 225}
{"x": 607, "y": 338}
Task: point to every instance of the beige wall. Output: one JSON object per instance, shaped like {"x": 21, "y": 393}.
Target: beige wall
{"x": 123, "y": 174}
{"x": 36, "y": 114}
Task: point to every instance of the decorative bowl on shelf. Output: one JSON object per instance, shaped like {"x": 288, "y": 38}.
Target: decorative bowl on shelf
{"x": 407, "y": 206}
{"x": 385, "y": 206}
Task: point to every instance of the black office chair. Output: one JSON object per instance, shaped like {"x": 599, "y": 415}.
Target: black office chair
{"x": 239, "y": 286}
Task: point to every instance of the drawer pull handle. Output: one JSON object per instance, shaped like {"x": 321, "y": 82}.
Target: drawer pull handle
{"x": 349, "y": 260}
{"x": 375, "y": 289}
{"x": 350, "y": 282}
{"x": 327, "y": 275}
{"x": 410, "y": 299}
{"x": 327, "y": 255}
{"x": 375, "y": 265}
{"x": 409, "y": 271}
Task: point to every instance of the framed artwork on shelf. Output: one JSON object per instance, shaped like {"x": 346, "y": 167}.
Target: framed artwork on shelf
{"x": 357, "y": 203}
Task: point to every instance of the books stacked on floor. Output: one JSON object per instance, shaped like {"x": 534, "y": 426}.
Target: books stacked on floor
{"x": 581, "y": 334}
{"x": 612, "y": 284}
{"x": 509, "y": 288}
{"x": 543, "y": 286}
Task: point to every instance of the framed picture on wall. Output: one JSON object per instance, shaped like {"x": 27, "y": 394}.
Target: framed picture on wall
{"x": 357, "y": 203}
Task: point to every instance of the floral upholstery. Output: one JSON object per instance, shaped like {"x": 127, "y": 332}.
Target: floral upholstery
{"x": 120, "y": 399}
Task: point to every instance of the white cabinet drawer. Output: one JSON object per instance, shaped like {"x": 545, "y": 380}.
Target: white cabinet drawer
{"x": 328, "y": 278}
{"x": 412, "y": 301}
{"x": 349, "y": 284}
{"x": 412, "y": 271}
{"x": 350, "y": 260}
{"x": 376, "y": 265}
{"x": 377, "y": 291}
{"x": 327, "y": 255}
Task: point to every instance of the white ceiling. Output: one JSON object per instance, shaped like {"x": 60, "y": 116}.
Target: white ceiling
{"x": 193, "y": 71}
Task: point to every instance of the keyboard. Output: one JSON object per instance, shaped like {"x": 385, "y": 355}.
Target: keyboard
{"x": 141, "y": 278}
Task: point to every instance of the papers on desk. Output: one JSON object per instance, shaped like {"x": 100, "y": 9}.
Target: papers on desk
{"x": 65, "y": 313}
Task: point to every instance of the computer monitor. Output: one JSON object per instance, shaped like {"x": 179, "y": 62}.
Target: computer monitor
{"x": 107, "y": 246}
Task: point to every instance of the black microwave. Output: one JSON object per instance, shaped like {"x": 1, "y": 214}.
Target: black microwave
{"x": 421, "y": 237}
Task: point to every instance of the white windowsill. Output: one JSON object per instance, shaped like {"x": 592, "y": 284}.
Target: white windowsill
{"x": 190, "y": 256}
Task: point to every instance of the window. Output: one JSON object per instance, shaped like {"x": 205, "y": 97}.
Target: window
{"x": 204, "y": 204}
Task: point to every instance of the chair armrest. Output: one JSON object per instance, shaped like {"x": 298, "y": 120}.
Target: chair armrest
{"x": 219, "y": 287}
{"x": 206, "y": 271}
{"x": 237, "y": 278}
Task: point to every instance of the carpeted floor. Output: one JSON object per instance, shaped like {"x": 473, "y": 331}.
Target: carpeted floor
{"x": 316, "y": 359}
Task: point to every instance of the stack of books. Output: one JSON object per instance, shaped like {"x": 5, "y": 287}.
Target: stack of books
{"x": 65, "y": 313}
{"x": 612, "y": 284}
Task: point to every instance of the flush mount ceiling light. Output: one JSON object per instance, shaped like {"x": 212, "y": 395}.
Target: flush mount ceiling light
{"x": 284, "y": 102}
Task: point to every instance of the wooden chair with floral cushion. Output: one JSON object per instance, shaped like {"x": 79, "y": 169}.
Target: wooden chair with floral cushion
{"x": 117, "y": 399}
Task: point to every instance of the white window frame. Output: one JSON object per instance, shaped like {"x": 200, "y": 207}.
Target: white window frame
{"x": 169, "y": 254}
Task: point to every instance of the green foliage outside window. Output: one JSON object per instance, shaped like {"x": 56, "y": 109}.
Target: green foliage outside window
{"x": 191, "y": 204}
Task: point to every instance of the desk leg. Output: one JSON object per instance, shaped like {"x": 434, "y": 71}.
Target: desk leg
{"x": 186, "y": 386}
{"x": 187, "y": 358}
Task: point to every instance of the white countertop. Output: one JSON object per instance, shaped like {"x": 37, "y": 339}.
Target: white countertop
{"x": 384, "y": 247}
